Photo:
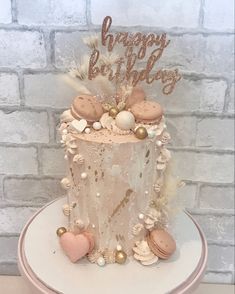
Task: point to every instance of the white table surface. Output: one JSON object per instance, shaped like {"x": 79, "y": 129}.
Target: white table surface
{"x": 16, "y": 284}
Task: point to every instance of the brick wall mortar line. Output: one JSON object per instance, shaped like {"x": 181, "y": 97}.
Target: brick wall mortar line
{"x": 201, "y": 14}
{"x": 7, "y": 204}
{"x": 2, "y": 189}
{"x": 195, "y": 76}
{"x": 188, "y": 75}
{"x": 200, "y": 114}
{"x": 40, "y": 28}
{"x": 216, "y": 185}
{"x": 39, "y": 109}
{"x": 52, "y": 47}
{"x": 32, "y": 177}
{"x": 88, "y": 13}
{"x": 52, "y": 131}
{"x": 211, "y": 212}
{"x": 21, "y": 88}
{"x": 9, "y": 235}
{"x": 227, "y": 97}
{"x": 14, "y": 11}
{"x": 201, "y": 150}
{"x": 20, "y": 205}
{"x": 47, "y": 45}
{"x": 197, "y": 196}
{"x": 221, "y": 243}
{"x": 170, "y": 31}
{"x": 9, "y": 263}
{"x": 29, "y": 145}
{"x": 96, "y": 28}
{"x": 219, "y": 271}
{"x": 39, "y": 160}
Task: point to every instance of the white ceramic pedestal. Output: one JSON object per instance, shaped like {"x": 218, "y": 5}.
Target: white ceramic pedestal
{"x": 47, "y": 269}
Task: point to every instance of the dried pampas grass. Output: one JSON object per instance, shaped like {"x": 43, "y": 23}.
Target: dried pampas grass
{"x": 75, "y": 84}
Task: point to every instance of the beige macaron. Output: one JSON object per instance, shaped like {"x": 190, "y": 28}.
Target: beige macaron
{"x": 87, "y": 107}
{"x": 161, "y": 243}
{"x": 147, "y": 112}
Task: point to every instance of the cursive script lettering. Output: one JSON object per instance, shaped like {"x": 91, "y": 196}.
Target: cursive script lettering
{"x": 136, "y": 45}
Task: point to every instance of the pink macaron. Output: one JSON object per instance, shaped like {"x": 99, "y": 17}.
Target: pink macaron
{"x": 161, "y": 243}
{"x": 87, "y": 107}
{"x": 147, "y": 112}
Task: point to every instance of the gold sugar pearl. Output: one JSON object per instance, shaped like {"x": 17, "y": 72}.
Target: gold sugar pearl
{"x": 120, "y": 257}
{"x": 141, "y": 133}
{"x": 60, "y": 231}
{"x": 113, "y": 111}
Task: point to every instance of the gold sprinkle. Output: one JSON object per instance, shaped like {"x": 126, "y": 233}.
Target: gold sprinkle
{"x": 123, "y": 202}
{"x": 147, "y": 154}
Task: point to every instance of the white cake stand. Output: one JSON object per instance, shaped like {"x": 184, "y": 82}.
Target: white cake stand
{"x": 47, "y": 270}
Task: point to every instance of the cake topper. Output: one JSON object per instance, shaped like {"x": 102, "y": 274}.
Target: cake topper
{"x": 115, "y": 65}
{"x": 123, "y": 68}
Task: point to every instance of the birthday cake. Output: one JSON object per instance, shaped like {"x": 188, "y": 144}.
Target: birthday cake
{"x": 115, "y": 141}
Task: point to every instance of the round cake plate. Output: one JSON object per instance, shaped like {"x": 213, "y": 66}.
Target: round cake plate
{"x": 47, "y": 270}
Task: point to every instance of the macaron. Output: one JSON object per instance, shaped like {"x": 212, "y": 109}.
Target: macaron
{"x": 147, "y": 112}
{"x": 137, "y": 95}
{"x": 161, "y": 243}
{"x": 87, "y": 107}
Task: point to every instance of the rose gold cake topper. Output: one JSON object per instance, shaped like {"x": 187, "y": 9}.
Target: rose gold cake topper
{"x": 124, "y": 69}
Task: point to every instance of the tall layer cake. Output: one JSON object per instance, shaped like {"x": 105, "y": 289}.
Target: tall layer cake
{"x": 115, "y": 147}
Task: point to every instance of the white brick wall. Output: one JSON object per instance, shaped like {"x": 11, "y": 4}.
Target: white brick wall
{"x": 168, "y": 13}
{"x": 53, "y": 162}
{"x": 31, "y": 190}
{"x": 217, "y": 16}
{"x": 68, "y": 47}
{"x": 183, "y": 130}
{"x": 231, "y": 99}
{"x": 208, "y": 134}
{"x": 9, "y": 224}
{"x": 9, "y": 89}
{"x": 24, "y": 127}
{"x": 216, "y": 197}
{"x": 204, "y": 95}
{"x": 204, "y": 167}
{"x": 218, "y": 228}
{"x": 47, "y": 90}
{"x": 18, "y": 160}
{"x": 52, "y": 12}
{"x": 39, "y": 39}
{"x": 5, "y": 11}
{"x": 22, "y": 48}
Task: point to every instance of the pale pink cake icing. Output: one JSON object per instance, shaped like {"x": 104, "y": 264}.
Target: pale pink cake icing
{"x": 112, "y": 180}
{"x": 118, "y": 173}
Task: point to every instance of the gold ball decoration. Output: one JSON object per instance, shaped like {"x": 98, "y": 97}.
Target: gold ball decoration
{"x": 60, "y": 231}
{"x": 113, "y": 111}
{"x": 120, "y": 257}
{"x": 141, "y": 133}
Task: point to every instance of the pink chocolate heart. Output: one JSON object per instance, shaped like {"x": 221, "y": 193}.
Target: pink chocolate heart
{"x": 74, "y": 246}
